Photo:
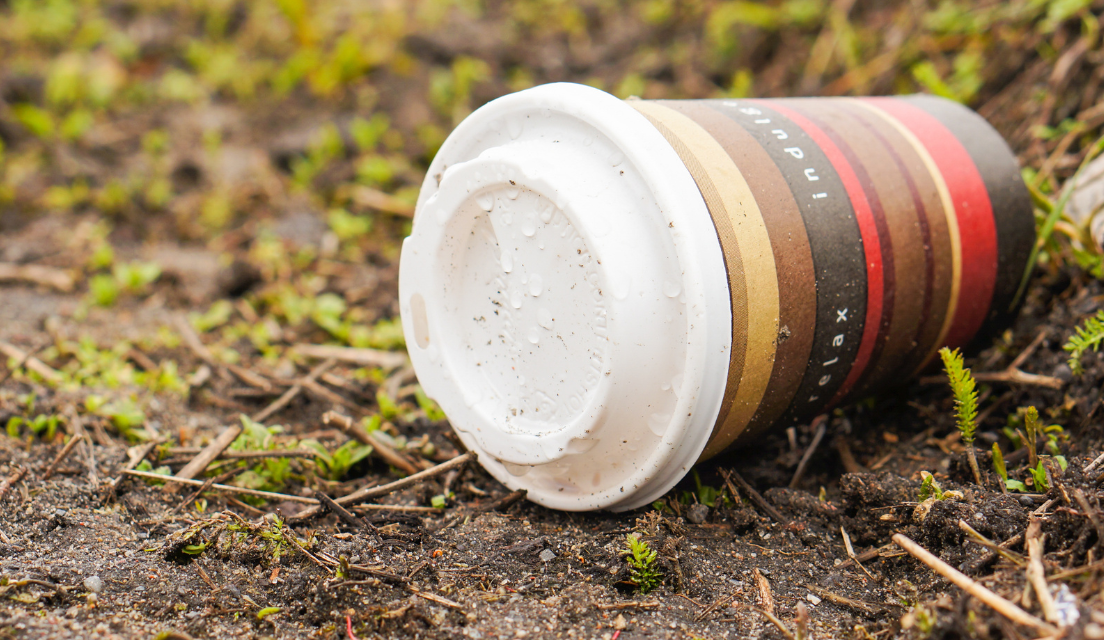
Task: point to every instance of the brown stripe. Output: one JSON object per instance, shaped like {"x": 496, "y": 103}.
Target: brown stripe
{"x": 903, "y": 249}
{"x": 728, "y": 195}
{"x": 793, "y": 257}
{"x": 948, "y": 224}
{"x": 861, "y": 151}
{"x": 731, "y": 250}
{"x": 932, "y": 225}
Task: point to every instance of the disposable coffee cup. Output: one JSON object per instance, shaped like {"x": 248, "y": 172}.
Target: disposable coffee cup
{"x": 600, "y": 293}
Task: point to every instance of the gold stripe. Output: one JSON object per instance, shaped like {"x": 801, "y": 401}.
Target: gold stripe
{"x": 728, "y": 196}
{"x": 952, "y": 224}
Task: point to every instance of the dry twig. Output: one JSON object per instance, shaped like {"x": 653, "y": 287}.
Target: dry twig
{"x": 1012, "y": 374}
{"x": 620, "y": 606}
{"x": 11, "y": 480}
{"x": 1008, "y": 554}
{"x": 1036, "y": 573}
{"x": 338, "y": 510}
{"x": 290, "y": 394}
{"x": 766, "y": 597}
{"x": 28, "y": 360}
{"x": 392, "y": 457}
{"x": 206, "y": 457}
{"x": 269, "y": 495}
{"x": 363, "y": 357}
{"x": 851, "y": 553}
{"x": 773, "y": 619}
{"x": 970, "y": 586}
{"x": 754, "y": 495}
{"x": 374, "y": 492}
{"x": 73, "y": 441}
{"x": 1090, "y": 513}
{"x": 191, "y": 339}
{"x": 821, "y": 424}
{"x": 50, "y": 277}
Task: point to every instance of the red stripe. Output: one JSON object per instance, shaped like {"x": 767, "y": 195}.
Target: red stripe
{"x": 868, "y": 229}
{"x": 973, "y": 213}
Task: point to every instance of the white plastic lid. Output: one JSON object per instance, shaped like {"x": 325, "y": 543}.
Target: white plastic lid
{"x": 564, "y": 299}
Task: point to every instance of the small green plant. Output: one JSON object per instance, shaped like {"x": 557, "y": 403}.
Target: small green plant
{"x": 41, "y": 425}
{"x": 1031, "y": 426}
{"x": 268, "y": 475}
{"x": 966, "y": 408}
{"x": 335, "y": 465}
{"x": 1039, "y": 478}
{"x": 124, "y": 415}
{"x": 642, "y": 563}
{"x": 1002, "y": 471}
{"x": 145, "y": 465}
{"x": 432, "y": 411}
{"x": 929, "y": 488}
{"x": 1087, "y": 336}
{"x": 703, "y": 493}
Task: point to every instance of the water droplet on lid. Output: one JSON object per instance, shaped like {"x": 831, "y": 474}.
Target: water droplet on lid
{"x": 546, "y": 213}
{"x": 507, "y": 217}
{"x": 516, "y": 470}
{"x": 507, "y": 261}
{"x": 671, "y": 288}
{"x": 534, "y": 335}
{"x": 536, "y": 285}
{"x": 515, "y": 300}
{"x": 513, "y": 127}
{"x": 512, "y": 192}
{"x": 666, "y": 386}
{"x": 616, "y": 158}
{"x": 658, "y": 423}
{"x": 544, "y": 318}
{"x": 485, "y": 201}
{"x": 529, "y": 228}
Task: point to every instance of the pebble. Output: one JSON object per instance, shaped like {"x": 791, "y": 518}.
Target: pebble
{"x": 1027, "y": 501}
{"x": 697, "y": 513}
{"x": 547, "y": 555}
{"x": 93, "y": 584}
{"x": 813, "y": 599}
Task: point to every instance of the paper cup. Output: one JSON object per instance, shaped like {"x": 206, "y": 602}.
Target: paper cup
{"x": 600, "y": 293}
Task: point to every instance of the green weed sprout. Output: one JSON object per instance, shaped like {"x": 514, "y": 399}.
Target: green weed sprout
{"x": 966, "y": 409}
{"x": 1031, "y": 426}
{"x": 1087, "y": 336}
{"x": 929, "y": 488}
{"x": 642, "y": 563}
{"x": 337, "y": 464}
{"x": 1002, "y": 471}
{"x": 1039, "y": 478}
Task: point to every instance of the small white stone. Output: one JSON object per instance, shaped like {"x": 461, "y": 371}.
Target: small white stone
{"x": 547, "y": 555}
{"x": 813, "y": 599}
{"x": 93, "y": 584}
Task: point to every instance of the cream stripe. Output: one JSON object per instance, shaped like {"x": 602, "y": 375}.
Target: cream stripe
{"x": 948, "y": 212}
{"x": 758, "y": 266}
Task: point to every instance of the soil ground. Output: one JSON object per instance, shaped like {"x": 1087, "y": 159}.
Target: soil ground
{"x": 268, "y": 221}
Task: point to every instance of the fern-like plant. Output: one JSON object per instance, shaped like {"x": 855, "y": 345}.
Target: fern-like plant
{"x": 642, "y": 563}
{"x": 964, "y": 389}
{"x": 1088, "y": 336}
